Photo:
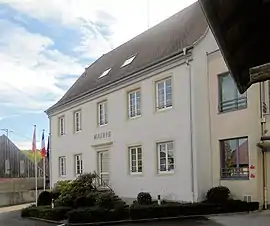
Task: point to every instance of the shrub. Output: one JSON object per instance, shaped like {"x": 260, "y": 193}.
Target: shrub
{"x": 61, "y": 186}
{"x": 97, "y": 214}
{"x": 65, "y": 200}
{"x": 46, "y": 212}
{"x": 44, "y": 199}
{"x": 85, "y": 201}
{"x": 218, "y": 195}
{"x": 144, "y": 198}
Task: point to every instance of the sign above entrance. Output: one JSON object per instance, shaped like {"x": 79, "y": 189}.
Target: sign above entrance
{"x": 103, "y": 135}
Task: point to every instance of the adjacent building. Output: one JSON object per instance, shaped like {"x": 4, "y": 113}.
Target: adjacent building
{"x": 161, "y": 114}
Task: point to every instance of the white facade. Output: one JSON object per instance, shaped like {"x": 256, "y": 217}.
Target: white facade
{"x": 100, "y": 127}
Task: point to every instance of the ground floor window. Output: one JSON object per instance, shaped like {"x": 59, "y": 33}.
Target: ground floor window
{"x": 234, "y": 158}
{"x": 78, "y": 164}
{"x": 165, "y": 156}
{"x": 135, "y": 158}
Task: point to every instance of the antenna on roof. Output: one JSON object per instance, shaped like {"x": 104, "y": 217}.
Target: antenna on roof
{"x": 148, "y": 14}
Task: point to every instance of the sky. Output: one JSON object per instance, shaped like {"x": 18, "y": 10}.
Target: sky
{"x": 45, "y": 45}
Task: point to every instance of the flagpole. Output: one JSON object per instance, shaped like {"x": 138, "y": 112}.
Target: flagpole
{"x": 35, "y": 150}
{"x": 44, "y": 174}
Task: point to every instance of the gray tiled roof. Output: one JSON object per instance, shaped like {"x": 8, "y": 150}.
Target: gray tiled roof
{"x": 162, "y": 41}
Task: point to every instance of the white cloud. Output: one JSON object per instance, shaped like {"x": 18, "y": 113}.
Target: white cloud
{"x": 30, "y": 68}
{"x": 130, "y": 18}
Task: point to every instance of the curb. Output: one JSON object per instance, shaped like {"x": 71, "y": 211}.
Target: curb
{"x": 199, "y": 217}
{"x": 45, "y": 220}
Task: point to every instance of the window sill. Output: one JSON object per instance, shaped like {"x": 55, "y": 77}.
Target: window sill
{"x": 235, "y": 179}
{"x": 100, "y": 126}
{"x": 62, "y": 176}
{"x": 163, "y": 109}
{"x": 165, "y": 172}
{"x": 79, "y": 131}
{"x": 134, "y": 117}
{"x": 232, "y": 110}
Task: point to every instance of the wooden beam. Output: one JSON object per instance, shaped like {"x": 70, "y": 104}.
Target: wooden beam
{"x": 260, "y": 73}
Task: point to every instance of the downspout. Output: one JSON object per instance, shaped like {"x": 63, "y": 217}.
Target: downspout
{"x": 191, "y": 126}
{"x": 262, "y": 100}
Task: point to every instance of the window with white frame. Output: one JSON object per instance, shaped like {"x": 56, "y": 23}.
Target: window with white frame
{"x": 7, "y": 166}
{"x": 102, "y": 113}
{"x": 62, "y": 166}
{"x": 166, "y": 156}
{"x": 62, "y": 125}
{"x": 134, "y": 103}
{"x": 164, "y": 93}
{"x": 135, "y": 158}
{"x": 128, "y": 61}
{"x": 78, "y": 164}
{"x": 77, "y": 121}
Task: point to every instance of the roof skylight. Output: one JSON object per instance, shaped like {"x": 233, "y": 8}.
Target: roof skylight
{"x": 128, "y": 61}
{"x": 105, "y": 73}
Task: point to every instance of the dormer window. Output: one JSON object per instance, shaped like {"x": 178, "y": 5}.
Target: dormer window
{"x": 128, "y": 61}
{"x": 105, "y": 73}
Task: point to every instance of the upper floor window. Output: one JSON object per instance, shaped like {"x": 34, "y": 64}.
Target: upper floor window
{"x": 62, "y": 125}
{"x": 166, "y": 156}
{"x": 128, "y": 61}
{"x": 229, "y": 96}
{"x": 135, "y": 158}
{"x": 62, "y": 166}
{"x": 234, "y": 158}
{"x": 78, "y": 164}
{"x": 77, "y": 121}
{"x": 102, "y": 113}
{"x": 134, "y": 103}
{"x": 164, "y": 93}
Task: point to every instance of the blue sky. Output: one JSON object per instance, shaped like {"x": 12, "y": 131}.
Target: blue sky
{"x": 45, "y": 46}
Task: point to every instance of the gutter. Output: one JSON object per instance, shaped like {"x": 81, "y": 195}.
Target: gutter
{"x": 191, "y": 128}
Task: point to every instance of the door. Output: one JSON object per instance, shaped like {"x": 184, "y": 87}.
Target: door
{"x": 103, "y": 168}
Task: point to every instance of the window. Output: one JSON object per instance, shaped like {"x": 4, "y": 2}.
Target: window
{"x": 134, "y": 103}
{"x": 62, "y": 125}
{"x": 164, "y": 93}
{"x": 77, "y": 121}
{"x": 105, "y": 73}
{"x": 78, "y": 164}
{"x": 234, "y": 158}
{"x": 166, "y": 157}
{"x": 135, "y": 158}
{"x": 128, "y": 61}
{"x": 62, "y": 166}
{"x": 102, "y": 113}
{"x": 229, "y": 96}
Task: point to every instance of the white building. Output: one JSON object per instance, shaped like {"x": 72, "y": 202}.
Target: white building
{"x": 148, "y": 116}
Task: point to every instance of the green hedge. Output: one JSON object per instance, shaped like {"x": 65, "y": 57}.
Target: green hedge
{"x": 189, "y": 209}
{"x": 136, "y": 211}
{"x": 46, "y": 212}
{"x": 96, "y": 214}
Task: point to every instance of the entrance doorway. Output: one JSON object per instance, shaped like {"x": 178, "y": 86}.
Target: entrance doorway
{"x": 103, "y": 168}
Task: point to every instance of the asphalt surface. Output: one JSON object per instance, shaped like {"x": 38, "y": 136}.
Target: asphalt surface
{"x": 13, "y": 219}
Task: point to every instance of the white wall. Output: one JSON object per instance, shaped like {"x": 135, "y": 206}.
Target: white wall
{"x": 201, "y": 116}
{"x": 151, "y": 127}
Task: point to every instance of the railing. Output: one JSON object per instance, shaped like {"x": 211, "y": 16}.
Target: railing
{"x": 234, "y": 104}
{"x": 235, "y": 173}
{"x": 100, "y": 183}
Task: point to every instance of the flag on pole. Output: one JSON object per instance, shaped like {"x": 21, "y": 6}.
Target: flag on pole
{"x": 34, "y": 142}
{"x": 43, "y": 148}
{"x": 48, "y": 148}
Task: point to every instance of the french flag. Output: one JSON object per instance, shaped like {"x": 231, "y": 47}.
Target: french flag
{"x": 43, "y": 148}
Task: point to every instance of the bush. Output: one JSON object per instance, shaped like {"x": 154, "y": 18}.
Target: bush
{"x": 96, "y": 214}
{"x": 65, "y": 200}
{"x": 44, "y": 199}
{"x": 61, "y": 186}
{"x": 46, "y": 212}
{"x": 144, "y": 198}
{"x": 85, "y": 201}
{"x": 218, "y": 195}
